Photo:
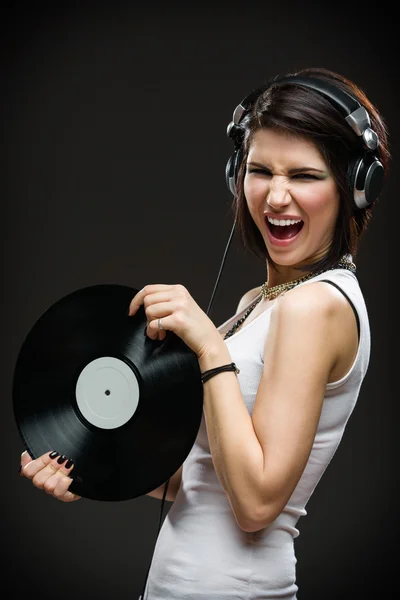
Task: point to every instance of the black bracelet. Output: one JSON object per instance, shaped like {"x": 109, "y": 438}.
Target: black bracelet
{"x": 211, "y": 372}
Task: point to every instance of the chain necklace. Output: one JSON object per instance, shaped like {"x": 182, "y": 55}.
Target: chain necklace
{"x": 272, "y": 292}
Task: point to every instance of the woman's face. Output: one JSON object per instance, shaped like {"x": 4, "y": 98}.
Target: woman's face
{"x": 292, "y": 197}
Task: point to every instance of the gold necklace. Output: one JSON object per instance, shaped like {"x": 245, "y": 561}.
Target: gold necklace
{"x": 274, "y": 291}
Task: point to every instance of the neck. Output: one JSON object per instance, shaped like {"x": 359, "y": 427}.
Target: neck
{"x": 283, "y": 274}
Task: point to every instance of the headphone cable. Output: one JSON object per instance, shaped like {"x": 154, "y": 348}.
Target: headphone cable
{"x": 141, "y": 597}
{"x": 220, "y": 269}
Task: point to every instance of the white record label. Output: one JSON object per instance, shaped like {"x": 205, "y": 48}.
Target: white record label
{"x": 107, "y": 392}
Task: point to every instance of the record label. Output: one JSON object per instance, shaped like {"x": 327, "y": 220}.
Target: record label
{"x": 107, "y": 392}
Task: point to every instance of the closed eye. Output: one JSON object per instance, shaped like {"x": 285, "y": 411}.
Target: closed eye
{"x": 258, "y": 171}
{"x": 269, "y": 174}
{"x": 305, "y": 176}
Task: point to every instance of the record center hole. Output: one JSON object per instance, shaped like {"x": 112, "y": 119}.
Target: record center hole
{"x": 107, "y": 392}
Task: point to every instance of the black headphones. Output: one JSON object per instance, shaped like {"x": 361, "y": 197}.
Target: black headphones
{"x": 365, "y": 173}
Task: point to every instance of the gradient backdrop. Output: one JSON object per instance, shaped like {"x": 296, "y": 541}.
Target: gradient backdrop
{"x": 114, "y": 151}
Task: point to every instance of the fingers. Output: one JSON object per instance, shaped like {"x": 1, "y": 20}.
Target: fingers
{"x": 155, "y": 332}
{"x": 138, "y": 299}
{"x": 58, "y": 483}
{"x": 61, "y": 491}
{"x": 31, "y": 467}
{"x": 159, "y": 319}
{"x": 161, "y": 290}
{"x": 25, "y": 459}
{"x": 156, "y": 304}
{"x": 50, "y": 473}
{"x": 160, "y": 301}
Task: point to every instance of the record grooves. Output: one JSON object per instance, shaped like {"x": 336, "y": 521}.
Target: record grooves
{"x": 89, "y": 384}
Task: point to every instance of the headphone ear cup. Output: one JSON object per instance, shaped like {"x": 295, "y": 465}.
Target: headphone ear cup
{"x": 365, "y": 176}
{"x": 232, "y": 168}
{"x": 374, "y": 177}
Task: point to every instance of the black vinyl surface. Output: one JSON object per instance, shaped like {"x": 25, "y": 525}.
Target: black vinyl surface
{"x": 129, "y": 460}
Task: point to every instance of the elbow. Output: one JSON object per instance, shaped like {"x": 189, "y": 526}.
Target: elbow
{"x": 256, "y": 517}
{"x": 252, "y": 523}
{"x": 260, "y": 503}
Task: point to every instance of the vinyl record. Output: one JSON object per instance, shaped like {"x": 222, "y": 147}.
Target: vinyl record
{"x": 91, "y": 385}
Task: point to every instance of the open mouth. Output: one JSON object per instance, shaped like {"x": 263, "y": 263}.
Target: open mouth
{"x": 284, "y": 229}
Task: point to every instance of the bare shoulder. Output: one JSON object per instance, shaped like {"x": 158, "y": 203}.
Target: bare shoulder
{"x": 320, "y": 319}
{"x": 316, "y": 310}
{"x": 317, "y": 299}
{"x": 247, "y": 298}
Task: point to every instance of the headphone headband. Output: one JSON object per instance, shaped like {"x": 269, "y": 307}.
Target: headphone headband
{"x": 353, "y": 112}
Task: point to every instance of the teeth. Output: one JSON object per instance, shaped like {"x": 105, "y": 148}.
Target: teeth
{"x": 283, "y": 221}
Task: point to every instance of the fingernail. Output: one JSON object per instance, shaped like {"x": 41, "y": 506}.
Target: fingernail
{"x": 53, "y": 454}
{"x": 61, "y": 459}
{"x": 69, "y": 463}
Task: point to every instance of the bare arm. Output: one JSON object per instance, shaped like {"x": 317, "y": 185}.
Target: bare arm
{"x": 259, "y": 458}
{"x": 173, "y": 487}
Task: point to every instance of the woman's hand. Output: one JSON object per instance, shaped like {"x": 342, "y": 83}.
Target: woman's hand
{"x": 50, "y": 472}
{"x": 172, "y": 307}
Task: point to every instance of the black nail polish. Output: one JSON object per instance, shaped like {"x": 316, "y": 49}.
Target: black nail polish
{"x": 61, "y": 459}
{"x": 69, "y": 463}
{"x": 53, "y": 454}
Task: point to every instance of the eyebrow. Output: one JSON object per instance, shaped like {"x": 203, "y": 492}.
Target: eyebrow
{"x": 290, "y": 171}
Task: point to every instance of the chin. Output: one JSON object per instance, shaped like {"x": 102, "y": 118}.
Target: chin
{"x": 293, "y": 262}
{"x": 284, "y": 259}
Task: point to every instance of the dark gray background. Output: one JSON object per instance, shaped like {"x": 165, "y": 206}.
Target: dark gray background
{"x": 114, "y": 152}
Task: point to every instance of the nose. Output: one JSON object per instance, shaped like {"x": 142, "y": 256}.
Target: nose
{"x": 278, "y": 194}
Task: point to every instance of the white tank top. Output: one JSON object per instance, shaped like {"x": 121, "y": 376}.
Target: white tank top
{"x": 201, "y": 553}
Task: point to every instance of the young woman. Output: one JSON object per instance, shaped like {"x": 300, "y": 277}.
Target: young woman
{"x": 282, "y": 376}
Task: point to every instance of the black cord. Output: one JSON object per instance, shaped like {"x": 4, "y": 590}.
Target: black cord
{"x": 220, "y": 269}
{"x": 141, "y": 597}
